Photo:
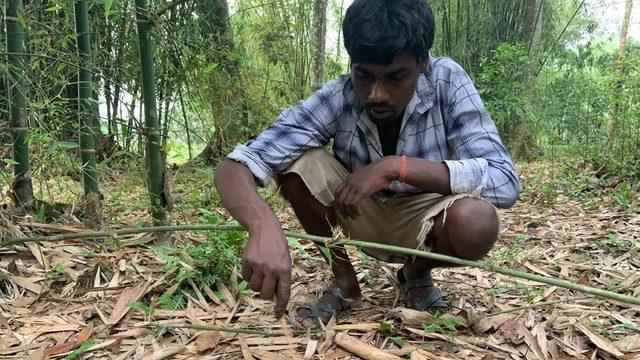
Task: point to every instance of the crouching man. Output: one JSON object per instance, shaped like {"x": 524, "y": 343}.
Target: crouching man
{"x": 416, "y": 161}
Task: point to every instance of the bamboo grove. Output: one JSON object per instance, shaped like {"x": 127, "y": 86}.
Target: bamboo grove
{"x": 90, "y": 84}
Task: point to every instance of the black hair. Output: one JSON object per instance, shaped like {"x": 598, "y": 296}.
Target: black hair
{"x": 375, "y": 31}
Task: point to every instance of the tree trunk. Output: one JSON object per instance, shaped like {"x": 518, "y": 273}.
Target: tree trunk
{"x": 88, "y": 119}
{"x": 186, "y": 122}
{"x": 534, "y": 14}
{"x": 215, "y": 26}
{"x": 154, "y": 159}
{"x": 319, "y": 36}
{"x": 624, "y": 35}
{"x": 22, "y": 187}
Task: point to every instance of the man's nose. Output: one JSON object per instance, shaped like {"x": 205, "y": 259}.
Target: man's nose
{"x": 378, "y": 93}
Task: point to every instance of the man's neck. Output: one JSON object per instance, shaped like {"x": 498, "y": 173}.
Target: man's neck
{"x": 389, "y": 132}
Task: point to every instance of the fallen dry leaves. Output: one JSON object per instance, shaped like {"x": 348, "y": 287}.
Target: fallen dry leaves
{"x": 56, "y": 296}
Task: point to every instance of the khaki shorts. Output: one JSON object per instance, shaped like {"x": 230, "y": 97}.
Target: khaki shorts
{"x": 402, "y": 221}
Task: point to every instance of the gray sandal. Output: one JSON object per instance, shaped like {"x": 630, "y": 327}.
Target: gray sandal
{"x": 421, "y": 294}
{"x": 331, "y": 303}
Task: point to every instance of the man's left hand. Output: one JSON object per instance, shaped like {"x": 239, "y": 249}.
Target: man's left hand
{"x": 363, "y": 183}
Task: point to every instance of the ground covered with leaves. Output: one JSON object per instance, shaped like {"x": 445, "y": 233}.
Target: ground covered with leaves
{"x": 134, "y": 297}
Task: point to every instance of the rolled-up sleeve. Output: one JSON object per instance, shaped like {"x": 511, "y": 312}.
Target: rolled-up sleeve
{"x": 482, "y": 164}
{"x": 304, "y": 126}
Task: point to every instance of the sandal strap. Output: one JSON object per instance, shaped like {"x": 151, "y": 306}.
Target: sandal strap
{"x": 407, "y": 284}
{"x": 329, "y": 304}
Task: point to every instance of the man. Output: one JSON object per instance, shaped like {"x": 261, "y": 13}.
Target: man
{"x": 416, "y": 161}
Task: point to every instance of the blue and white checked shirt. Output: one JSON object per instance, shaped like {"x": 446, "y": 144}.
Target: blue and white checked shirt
{"x": 445, "y": 121}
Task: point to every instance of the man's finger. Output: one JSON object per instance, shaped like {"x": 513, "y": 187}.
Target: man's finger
{"x": 256, "y": 281}
{"x": 354, "y": 210}
{"x": 268, "y": 287}
{"x": 282, "y": 296}
{"x": 338, "y": 202}
{"x": 345, "y": 195}
{"x": 349, "y": 203}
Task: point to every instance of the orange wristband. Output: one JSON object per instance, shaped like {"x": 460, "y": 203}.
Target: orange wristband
{"x": 403, "y": 168}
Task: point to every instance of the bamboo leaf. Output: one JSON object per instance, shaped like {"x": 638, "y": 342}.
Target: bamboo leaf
{"x": 107, "y": 7}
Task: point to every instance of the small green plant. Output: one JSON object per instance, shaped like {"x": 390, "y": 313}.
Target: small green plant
{"x": 386, "y": 329}
{"x": 56, "y": 273}
{"x": 444, "y": 324}
{"x": 77, "y": 353}
{"x": 614, "y": 243}
{"x": 204, "y": 263}
{"x": 398, "y": 341}
{"x": 623, "y": 195}
{"x": 144, "y": 308}
{"x": 172, "y": 301}
{"x": 527, "y": 293}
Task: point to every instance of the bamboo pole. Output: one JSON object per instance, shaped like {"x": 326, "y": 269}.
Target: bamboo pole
{"x": 362, "y": 349}
{"x": 22, "y": 187}
{"x": 330, "y": 242}
{"x": 155, "y": 164}
{"x": 87, "y": 132}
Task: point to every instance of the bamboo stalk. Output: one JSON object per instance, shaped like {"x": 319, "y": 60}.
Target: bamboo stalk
{"x": 230, "y": 330}
{"x": 22, "y": 187}
{"x": 155, "y": 164}
{"x": 87, "y": 132}
{"x": 212, "y": 328}
{"x": 329, "y": 242}
{"x": 363, "y": 349}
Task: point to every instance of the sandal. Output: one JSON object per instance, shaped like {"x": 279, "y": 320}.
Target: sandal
{"x": 421, "y": 294}
{"x": 331, "y": 303}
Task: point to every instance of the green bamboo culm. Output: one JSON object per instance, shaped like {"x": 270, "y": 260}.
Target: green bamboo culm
{"x": 329, "y": 242}
{"x": 87, "y": 128}
{"x": 22, "y": 186}
{"x": 155, "y": 165}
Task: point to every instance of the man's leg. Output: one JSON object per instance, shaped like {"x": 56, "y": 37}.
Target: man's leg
{"x": 317, "y": 219}
{"x": 469, "y": 231}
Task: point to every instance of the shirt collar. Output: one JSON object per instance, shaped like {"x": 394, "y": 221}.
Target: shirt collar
{"x": 425, "y": 93}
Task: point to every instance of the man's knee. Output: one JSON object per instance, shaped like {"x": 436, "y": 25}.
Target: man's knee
{"x": 472, "y": 226}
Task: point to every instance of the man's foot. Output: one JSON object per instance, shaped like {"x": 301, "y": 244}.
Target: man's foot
{"x": 331, "y": 303}
{"x": 420, "y": 294}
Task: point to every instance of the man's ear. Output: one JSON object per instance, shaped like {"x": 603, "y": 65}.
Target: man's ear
{"x": 423, "y": 65}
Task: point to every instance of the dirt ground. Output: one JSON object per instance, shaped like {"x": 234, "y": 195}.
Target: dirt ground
{"x": 73, "y": 299}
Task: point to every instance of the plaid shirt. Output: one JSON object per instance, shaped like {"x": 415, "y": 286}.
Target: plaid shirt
{"x": 445, "y": 121}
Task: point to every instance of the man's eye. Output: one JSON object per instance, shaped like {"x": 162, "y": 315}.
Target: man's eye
{"x": 398, "y": 76}
{"x": 362, "y": 75}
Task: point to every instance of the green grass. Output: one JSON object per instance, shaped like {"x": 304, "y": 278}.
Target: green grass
{"x": 510, "y": 254}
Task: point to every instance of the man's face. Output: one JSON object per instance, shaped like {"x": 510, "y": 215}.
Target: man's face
{"x": 385, "y": 90}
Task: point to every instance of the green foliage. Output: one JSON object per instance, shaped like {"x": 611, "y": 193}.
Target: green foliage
{"x": 55, "y": 273}
{"x": 386, "y": 328}
{"x": 508, "y": 255}
{"x": 144, "y": 308}
{"x": 524, "y": 292}
{"x": 445, "y": 324}
{"x": 204, "y": 264}
{"x": 616, "y": 244}
{"x": 77, "y": 353}
{"x": 623, "y": 195}
{"x": 503, "y": 84}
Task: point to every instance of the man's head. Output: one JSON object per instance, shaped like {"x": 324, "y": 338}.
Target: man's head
{"x": 388, "y": 42}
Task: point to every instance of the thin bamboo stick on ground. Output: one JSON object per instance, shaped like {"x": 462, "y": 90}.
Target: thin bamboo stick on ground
{"x": 329, "y": 242}
{"x": 362, "y": 349}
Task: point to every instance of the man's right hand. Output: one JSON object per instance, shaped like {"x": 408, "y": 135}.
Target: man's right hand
{"x": 266, "y": 265}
